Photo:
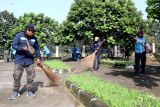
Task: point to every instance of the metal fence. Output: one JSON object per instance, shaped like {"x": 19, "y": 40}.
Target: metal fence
{"x": 65, "y": 51}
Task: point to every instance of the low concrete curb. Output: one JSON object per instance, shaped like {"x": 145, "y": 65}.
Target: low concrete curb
{"x": 86, "y": 98}
{"x": 62, "y": 70}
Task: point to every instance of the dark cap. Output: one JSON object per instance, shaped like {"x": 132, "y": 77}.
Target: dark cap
{"x": 140, "y": 32}
{"x": 31, "y": 27}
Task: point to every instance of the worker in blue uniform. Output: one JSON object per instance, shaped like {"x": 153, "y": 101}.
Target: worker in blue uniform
{"x": 24, "y": 59}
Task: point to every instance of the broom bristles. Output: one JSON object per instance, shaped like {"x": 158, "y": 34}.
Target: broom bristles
{"x": 51, "y": 76}
{"x": 88, "y": 60}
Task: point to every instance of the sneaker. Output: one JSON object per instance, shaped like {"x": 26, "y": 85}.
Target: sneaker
{"x": 14, "y": 95}
{"x": 31, "y": 94}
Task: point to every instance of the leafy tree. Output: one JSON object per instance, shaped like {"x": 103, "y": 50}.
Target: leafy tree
{"x": 63, "y": 35}
{"x": 153, "y": 9}
{"x": 152, "y": 27}
{"x": 7, "y": 22}
{"x": 104, "y": 18}
{"x": 45, "y": 26}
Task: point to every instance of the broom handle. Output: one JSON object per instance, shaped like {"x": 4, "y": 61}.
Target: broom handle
{"x": 100, "y": 45}
{"x": 27, "y": 42}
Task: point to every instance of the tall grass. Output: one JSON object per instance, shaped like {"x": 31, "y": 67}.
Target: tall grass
{"x": 112, "y": 94}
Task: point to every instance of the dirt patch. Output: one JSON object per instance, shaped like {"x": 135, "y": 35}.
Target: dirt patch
{"x": 149, "y": 82}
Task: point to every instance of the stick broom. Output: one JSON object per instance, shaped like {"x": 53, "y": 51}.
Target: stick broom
{"x": 51, "y": 76}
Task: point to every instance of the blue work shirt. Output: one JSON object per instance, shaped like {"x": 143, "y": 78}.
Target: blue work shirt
{"x": 47, "y": 50}
{"x": 13, "y": 51}
{"x": 23, "y": 57}
{"x": 140, "y": 45}
{"x": 97, "y": 45}
{"x": 78, "y": 50}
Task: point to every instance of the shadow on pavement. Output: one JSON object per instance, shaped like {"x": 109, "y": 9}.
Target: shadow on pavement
{"x": 35, "y": 87}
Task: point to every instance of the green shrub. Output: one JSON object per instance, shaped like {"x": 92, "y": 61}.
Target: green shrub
{"x": 112, "y": 94}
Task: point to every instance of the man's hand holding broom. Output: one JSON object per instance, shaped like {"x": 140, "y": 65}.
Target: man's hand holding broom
{"x": 38, "y": 62}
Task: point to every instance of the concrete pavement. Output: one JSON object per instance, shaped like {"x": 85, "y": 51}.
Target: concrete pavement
{"x": 46, "y": 96}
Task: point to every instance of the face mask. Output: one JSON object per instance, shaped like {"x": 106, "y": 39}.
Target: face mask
{"x": 96, "y": 42}
{"x": 140, "y": 36}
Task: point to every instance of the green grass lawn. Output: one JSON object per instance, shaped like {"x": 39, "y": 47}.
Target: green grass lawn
{"x": 112, "y": 94}
{"x": 56, "y": 64}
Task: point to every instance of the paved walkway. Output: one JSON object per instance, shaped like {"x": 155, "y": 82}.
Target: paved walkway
{"x": 46, "y": 96}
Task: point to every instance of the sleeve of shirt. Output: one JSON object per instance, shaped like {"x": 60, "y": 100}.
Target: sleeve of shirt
{"x": 37, "y": 49}
{"x": 15, "y": 44}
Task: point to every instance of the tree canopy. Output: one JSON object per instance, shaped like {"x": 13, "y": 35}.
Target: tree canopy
{"x": 113, "y": 20}
{"x": 153, "y": 9}
{"x": 104, "y": 18}
{"x": 7, "y": 22}
{"x": 45, "y": 26}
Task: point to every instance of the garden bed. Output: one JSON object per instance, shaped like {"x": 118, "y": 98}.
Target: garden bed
{"x": 85, "y": 97}
{"x": 111, "y": 94}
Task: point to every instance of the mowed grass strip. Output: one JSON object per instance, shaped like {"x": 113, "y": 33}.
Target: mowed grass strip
{"x": 112, "y": 94}
{"x": 56, "y": 64}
